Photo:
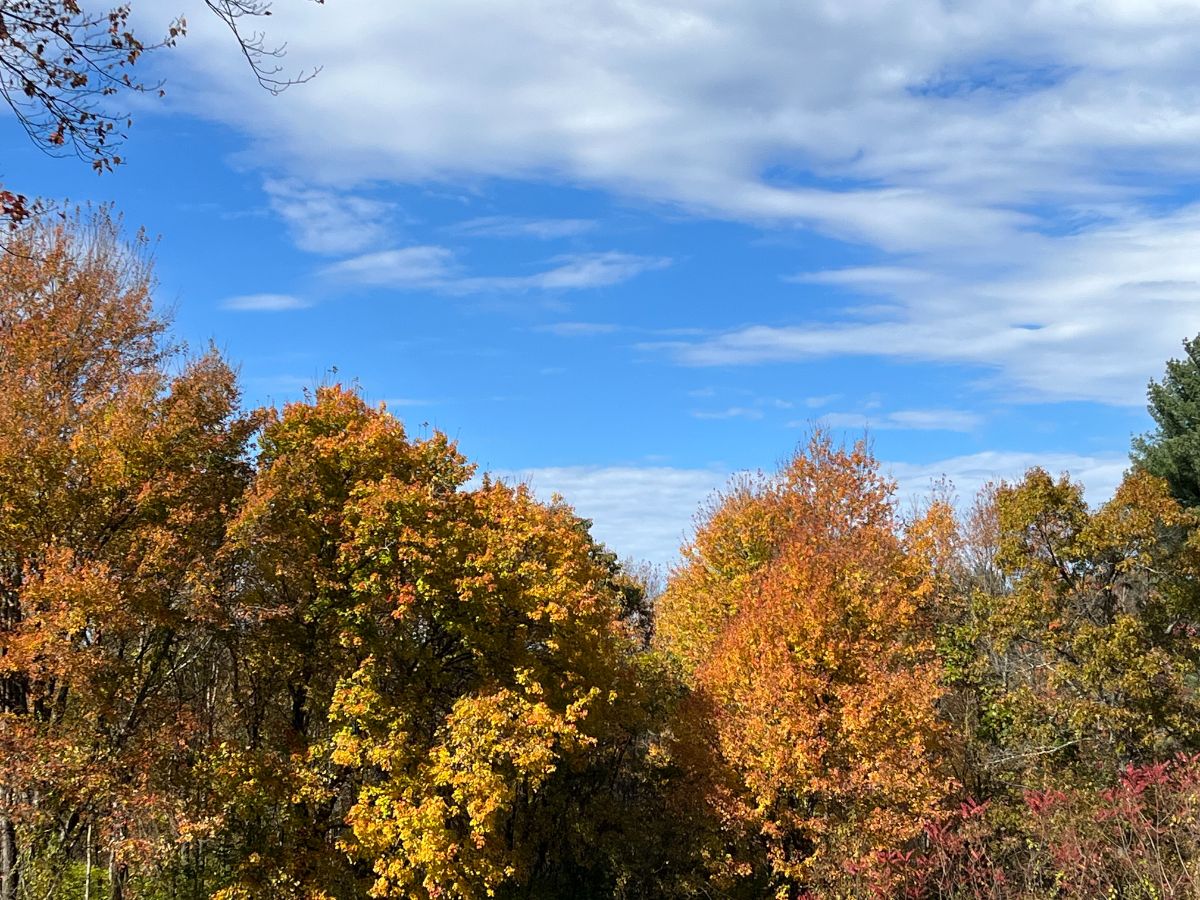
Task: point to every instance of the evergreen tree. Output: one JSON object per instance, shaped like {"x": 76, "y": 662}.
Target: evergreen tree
{"x": 1172, "y": 451}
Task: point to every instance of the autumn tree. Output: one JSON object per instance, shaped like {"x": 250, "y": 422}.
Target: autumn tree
{"x": 334, "y": 668}
{"x": 1069, "y": 648}
{"x": 1090, "y": 642}
{"x": 119, "y": 464}
{"x": 740, "y": 531}
{"x": 816, "y": 666}
{"x": 442, "y": 681}
{"x": 969, "y": 677}
{"x": 289, "y": 641}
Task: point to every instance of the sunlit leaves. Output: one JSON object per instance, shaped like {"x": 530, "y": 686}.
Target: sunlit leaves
{"x": 1093, "y": 633}
{"x": 117, "y": 477}
{"x": 821, "y": 679}
{"x": 333, "y": 664}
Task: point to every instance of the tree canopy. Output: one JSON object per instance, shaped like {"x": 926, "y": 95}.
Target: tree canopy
{"x": 305, "y": 653}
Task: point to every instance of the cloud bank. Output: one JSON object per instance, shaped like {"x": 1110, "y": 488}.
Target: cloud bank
{"x": 1020, "y": 170}
{"x": 647, "y": 512}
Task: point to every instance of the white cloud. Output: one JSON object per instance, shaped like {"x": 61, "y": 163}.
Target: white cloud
{"x": 1012, "y": 163}
{"x": 406, "y": 267}
{"x": 1099, "y": 475}
{"x": 578, "y": 329}
{"x": 326, "y": 221}
{"x": 648, "y": 511}
{"x": 863, "y": 277}
{"x": 595, "y": 270}
{"x": 573, "y": 272}
{"x": 396, "y": 402}
{"x": 514, "y": 226}
{"x": 264, "y": 303}
{"x": 643, "y": 512}
{"x": 774, "y": 403}
{"x": 730, "y": 412}
{"x": 926, "y": 111}
{"x": 435, "y": 268}
{"x": 901, "y": 420}
{"x": 822, "y": 400}
{"x": 1089, "y": 316}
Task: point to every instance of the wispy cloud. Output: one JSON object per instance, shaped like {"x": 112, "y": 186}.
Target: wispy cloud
{"x": 405, "y": 267}
{"x": 516, "y": 227}
{"x": 397, "y": 402}
{"x": 1099, "y": 475}
{"x": 648, "y": 511}
{"x": 1086, "y": 316}
{"x": 821, "y": 400}
{"x": 863, "y": 277}
{"x": 436, "y": 268}
{"x": 730, "y": 412}
{"x": 993, "y": 156}
{"x": 901, "y": 420}
{"x": 639, "y": 511}
{"x": 774, "y": 403}
{"x": 568, "y": 273}
{"x": 326, "y": 221}
{"x": 747, "y": 405}
{"x": 265, "y": 303}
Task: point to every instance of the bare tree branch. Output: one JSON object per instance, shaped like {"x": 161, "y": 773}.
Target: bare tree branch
{"x": 61, "y": 67}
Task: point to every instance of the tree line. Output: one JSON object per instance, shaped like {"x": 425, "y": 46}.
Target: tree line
{"x": 303, "y": 653}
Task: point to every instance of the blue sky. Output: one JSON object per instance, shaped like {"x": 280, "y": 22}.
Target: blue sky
{"x": 625, "y": 248}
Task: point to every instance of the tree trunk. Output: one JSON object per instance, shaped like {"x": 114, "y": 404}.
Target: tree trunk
{"x": 116, "y": 877}
{"x": 12, "y": 700}
{"x": 9, "y": 867}
{"x": 87, "y": 866}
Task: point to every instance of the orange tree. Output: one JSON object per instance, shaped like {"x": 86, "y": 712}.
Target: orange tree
{"x": 814, "y": 675}
{"x": 117, "y": 474}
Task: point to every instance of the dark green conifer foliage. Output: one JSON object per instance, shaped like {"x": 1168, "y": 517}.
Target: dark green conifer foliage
{"x": 1172, "y": 451}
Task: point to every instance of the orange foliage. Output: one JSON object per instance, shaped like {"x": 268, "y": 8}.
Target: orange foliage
{"x": 116, "y": 479}
{"x": 821, "y": 685}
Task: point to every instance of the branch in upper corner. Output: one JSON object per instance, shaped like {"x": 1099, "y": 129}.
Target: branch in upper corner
{"x": 61, "y": 68}
{"x": 261, "y": 57}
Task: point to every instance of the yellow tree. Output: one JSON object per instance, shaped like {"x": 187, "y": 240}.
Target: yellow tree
{"x": 1094, "y": 633}
{"x": 497, "y": 696}
{"x": 288, "y": 638}
{"x": 434, "y": 678}
{"x": 821, "y": 684}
